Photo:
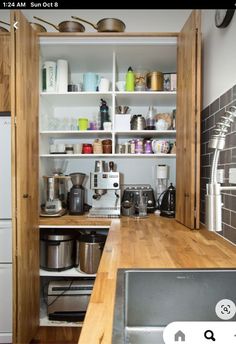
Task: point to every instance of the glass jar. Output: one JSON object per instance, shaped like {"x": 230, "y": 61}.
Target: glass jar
{"x": 139, "y": 146}
{"x": 148, "y": 147}
{"x": 87, "y": 148}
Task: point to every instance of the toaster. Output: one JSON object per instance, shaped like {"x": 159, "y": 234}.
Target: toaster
{"x": 132, "y": 194}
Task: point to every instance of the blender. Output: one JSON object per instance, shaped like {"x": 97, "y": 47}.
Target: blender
{"x": 161, "y": 182}
{"x": 76, "y": 195}
{"x": 55, "y": 188}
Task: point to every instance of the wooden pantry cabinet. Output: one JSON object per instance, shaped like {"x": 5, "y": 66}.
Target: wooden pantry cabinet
{"x": 26, "y": 130}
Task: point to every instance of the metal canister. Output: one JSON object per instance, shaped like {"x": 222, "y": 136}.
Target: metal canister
{"x": 155, "y": 81}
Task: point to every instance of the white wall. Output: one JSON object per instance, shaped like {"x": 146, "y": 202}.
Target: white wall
{"x": 219, "y": 57}
{"x": 135, "y": 20}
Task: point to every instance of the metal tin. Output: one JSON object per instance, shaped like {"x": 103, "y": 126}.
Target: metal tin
{"x": 155, "y": 81}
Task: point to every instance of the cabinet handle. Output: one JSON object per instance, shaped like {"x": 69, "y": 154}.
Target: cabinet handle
{"x": 25, "y": 195}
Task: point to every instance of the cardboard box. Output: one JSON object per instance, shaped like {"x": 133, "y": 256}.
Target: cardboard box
{"x": 122, "y": 122}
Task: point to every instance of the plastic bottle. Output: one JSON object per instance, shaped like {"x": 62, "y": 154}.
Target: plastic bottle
{"x": 104, "y": 113}
{"x": 150, "y": 119}
{"x": 130, "y": 80}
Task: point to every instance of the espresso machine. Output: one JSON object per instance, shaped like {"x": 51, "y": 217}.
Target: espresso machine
{"x": 76, "y": 195}
{"x": 106, "y": 200}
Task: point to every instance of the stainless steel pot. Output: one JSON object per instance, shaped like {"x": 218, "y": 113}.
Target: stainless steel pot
{"x": 137, "y": 122}
{"x": 89, "y": 251}
{"x": 56, "y": 250}
{"x": 105, "y": 24}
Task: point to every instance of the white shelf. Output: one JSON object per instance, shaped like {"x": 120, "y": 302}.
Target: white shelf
{"x": 66, "y": 273}
{"x": 145, "y": 133}
{"x": 115, "y": 155}
{"x": 76, "y": 99}
{"x": 75, "y": 133}
{"x": 154, "y": 98}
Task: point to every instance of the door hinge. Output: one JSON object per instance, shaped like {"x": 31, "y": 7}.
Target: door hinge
{"x": 15, "y": 121}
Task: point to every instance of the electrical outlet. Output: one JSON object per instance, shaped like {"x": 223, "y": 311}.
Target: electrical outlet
{"x": 232, "y": 175}
{"x": 220, "y": 176}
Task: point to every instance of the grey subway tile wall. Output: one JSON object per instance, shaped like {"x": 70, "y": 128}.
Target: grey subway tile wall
{"x": 209, "y": 117}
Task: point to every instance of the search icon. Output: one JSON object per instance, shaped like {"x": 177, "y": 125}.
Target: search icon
{"x": 209, "y": 334}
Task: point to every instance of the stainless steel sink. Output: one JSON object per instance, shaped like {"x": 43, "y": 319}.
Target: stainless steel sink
{"x": 149, "y": 299}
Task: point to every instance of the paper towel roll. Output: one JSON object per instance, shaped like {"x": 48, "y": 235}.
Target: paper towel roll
{"x": 62, "y": 76}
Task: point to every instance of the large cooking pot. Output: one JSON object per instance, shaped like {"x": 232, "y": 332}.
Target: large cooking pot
{"x": 89, "y": 251}
{"x": 65, "y": 26}
{"x": 56, "y": 250}
{"x": 105, "y": 24}
{"x": 37, "y": 27}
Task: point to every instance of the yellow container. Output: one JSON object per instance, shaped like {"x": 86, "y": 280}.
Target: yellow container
{"x": 155, "y": 81}
{"x": 82, "y": 123}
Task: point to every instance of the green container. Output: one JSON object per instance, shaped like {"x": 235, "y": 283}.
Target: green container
{"x": 130, "y": 80}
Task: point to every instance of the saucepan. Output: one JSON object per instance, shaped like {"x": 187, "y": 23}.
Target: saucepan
{"x": 35, "y": 26}
{"x": 105, "y": 24}
{"x": 65, "y": 26}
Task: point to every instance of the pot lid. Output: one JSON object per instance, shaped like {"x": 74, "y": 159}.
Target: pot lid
{"x": 92, "y": 238}
{"x": 56, "y": 235}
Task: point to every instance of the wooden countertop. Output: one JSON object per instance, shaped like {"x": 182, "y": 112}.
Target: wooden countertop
{"x": 155, "y": 242}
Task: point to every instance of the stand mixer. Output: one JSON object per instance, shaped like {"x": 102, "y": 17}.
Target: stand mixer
{"x": 106, "y": 185}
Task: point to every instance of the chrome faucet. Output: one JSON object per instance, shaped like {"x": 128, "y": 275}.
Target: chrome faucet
{"x": 213, "y": 198}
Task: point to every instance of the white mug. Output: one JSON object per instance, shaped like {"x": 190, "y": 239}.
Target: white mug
{"x": 104, "y": 85}
{"x": 77, "y": 148}
{"x": 107, "y": 126}
{"x": 160, "y": 146}
{"x": 120, "y": 86}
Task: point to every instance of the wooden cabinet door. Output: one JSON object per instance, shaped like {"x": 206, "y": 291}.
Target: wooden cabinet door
{"x": 5, "y": 72}
{"x": 24, "y": 101}
{"x": 188, "y": 122}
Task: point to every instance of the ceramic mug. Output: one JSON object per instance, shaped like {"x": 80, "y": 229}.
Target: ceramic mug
{"x": 90, "y": 82}
{"x": 160, "y": 146}
{"x": 82, "y": 123}
{"x": 107, "y": 126}
{"x": 104, "y": 85}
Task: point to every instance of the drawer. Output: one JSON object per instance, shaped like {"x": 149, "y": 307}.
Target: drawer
{"x": 5, "y": 242}
{"x": 6, "y": 298}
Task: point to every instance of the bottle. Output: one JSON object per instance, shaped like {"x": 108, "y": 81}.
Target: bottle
{"x": 104, "y": 113}
{"x": 150, "y": 119}
{"x": 130, "y": 80}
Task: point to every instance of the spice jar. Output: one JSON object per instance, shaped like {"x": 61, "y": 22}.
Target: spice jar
{"x": 87, "y": 148}
{"x": 107, "y": 146}
{"x": 139, "y": 146}
{"x": 148, "y": 147}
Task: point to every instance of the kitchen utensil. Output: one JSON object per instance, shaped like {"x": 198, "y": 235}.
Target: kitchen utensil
{"x": 127, "y": 208}
{"x": 155, "y": 81}
{"x": 122, "y": 109}
{"x": 65, "y": 26}
{"x": 167, "y": 205}
{"x": 105, "y": 24}
{"x": 89, "y": 248}
{"x": 56, "y": 250}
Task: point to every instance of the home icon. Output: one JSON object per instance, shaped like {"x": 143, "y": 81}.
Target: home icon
{"x": 179, "y": 336}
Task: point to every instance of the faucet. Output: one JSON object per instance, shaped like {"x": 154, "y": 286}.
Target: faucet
{"x": 213, "y": 198}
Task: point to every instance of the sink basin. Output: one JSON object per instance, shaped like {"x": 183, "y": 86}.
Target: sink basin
{"x": 149, "y": 299}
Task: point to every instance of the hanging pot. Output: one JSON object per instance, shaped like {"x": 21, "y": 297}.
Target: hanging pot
{"x": 65, "y": 26}
{"x": 105, "y": 24}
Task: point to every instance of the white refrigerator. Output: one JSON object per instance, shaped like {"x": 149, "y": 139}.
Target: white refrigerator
{"x": 5, "y": 230}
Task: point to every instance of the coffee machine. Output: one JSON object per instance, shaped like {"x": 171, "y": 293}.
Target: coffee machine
{"x": 76, "y": 195}
{"x": 106, "y": 200}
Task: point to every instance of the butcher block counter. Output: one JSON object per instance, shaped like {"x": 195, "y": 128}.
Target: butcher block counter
{"x": 153, "y": 242}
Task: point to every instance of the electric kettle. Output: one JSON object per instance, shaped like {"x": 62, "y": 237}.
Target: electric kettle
{"x": 166, "y": 202}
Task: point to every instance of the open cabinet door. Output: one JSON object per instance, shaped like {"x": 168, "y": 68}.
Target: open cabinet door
{"x": 188, "y": 122}
{"x": 24, "y": 102}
